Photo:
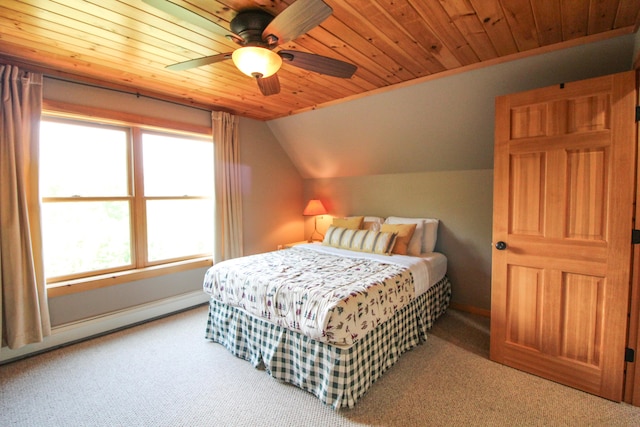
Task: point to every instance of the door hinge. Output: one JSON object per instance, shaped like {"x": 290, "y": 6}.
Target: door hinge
{"x": 635, "y": 236}
{"x": 629, "y": 355}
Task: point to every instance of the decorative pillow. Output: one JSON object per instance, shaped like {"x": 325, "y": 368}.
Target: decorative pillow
{"x": 354, "y": 222}
{"x": 414, "y": 248}
{"x": 372, "y": 223}
{"x": 360, "y": 240}
{"x": 428, "y": 235}
{"x": 405, "y": 232}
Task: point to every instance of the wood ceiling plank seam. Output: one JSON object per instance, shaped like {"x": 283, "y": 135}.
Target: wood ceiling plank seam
{"x": 112, "y": 72}
{"x": 331, "y": 85}
{"x": 310, "y": 84}
{"x": 438, "y": 33}
{"x": 56, "y": 63}
{"x": 548, "y": 19}
{"x": 274, "y": 7}
{"x": 353, "y": 56}
{"x": 602, "y": 15}
{"x": 466, "y": 19}
{"x": 133, "y": 59}
{"x": 353, "y": 45}
{"x": 215, "y": 11}
{"x": 375, "y": 29}
{"x": 628, "y": 14}
{"x": 496, "y": 26}
{"x": 375, "y": 37}
{"x": 520, "y": 18}
{"x": 339, "y": 87}
{"x": 68, "y": 28}
{"x": 252, "y": 99}
{"x": 184, "y": 40}
{"x": 369, "y": 50}
{"x": 234, "y": 82}
{"x": 110, "y": 54}
{"x": 294, "y": 90}
{"x": 355, "y": 83}
{"x": 248, "y": 100}
{"x": 34, "y": 35}
{"x": 96, "y": 28}
{"x": 222, "y": 17}
{"x": 148, "y": 24}
{"x": 575, "y": 19}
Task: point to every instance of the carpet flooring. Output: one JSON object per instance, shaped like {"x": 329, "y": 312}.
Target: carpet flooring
{"x": 164, "y": 373}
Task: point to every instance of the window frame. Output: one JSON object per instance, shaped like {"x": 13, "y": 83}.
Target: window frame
{"x": 139, "y": 268}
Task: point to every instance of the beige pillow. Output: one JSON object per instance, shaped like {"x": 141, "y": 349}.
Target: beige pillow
{"x": 404, "y": 231}
{"x": 353, "y": 222}
{"x": 372, "y": 223}
{"x": 360, "y": 240}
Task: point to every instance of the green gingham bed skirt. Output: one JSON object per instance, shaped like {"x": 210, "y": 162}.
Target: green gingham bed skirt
{"x": 338, "y": 376}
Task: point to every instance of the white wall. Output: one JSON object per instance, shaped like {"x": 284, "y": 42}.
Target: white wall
{"x": 272, "y": 203}
{"x": 441, "y": 124}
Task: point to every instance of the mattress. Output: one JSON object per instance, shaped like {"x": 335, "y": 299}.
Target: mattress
{"x": 428, "y": 268}
{"x": 328, "y": 294}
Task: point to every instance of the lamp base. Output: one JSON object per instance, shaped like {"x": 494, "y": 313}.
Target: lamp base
{"x": 315, "y": 231}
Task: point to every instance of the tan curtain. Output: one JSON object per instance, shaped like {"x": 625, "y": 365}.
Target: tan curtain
{"x": 23, "y": 300}
{"x": 228, "y": 187}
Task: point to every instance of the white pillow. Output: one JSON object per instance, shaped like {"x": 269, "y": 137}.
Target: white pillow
{"x": 430, "y": 235}
{"x": 424, "y": 237}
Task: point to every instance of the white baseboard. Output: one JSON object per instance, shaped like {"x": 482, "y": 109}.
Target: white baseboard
{"x": 76, "y": 331}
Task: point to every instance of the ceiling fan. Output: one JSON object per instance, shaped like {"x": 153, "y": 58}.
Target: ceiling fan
{"x": 257, "y": 32}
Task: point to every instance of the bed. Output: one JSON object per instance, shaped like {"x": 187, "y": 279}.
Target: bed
{"x": 330, "y": 317}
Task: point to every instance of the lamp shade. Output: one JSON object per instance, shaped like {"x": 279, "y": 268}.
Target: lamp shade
{"x": 314, "y": 207}
{"x": 256, "y": 61}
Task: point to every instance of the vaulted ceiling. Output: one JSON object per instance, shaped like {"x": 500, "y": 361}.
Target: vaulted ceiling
{"x": 127, "y": 44}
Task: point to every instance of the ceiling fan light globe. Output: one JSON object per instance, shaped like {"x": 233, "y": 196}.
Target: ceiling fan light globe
{"x": 256, "y": 61}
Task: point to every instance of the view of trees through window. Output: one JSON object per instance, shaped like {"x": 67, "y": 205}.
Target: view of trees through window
{"x": 114, "y": 199}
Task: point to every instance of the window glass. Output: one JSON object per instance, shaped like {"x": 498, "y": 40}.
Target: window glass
{"x": 179, "y": 227}
{"x": 82, "y": 160}
{"x": 177, "y": 166}
{"x": 81, "y": 237}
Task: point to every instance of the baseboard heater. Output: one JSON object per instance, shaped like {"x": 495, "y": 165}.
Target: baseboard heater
{"x": 73, "y": 332}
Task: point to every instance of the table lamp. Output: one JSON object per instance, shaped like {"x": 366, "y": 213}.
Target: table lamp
{"x": 315, "y": 208}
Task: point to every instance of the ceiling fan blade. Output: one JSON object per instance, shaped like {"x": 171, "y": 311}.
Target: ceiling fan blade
{"x": 269, "y": 85}
{"x": 319, "y": 64}
{"x": 189, "y": 16}
{"x": 297, "y": 19}
{"x": 199, "y": 62}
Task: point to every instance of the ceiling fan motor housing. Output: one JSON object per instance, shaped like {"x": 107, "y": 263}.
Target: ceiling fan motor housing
{"x": 249, "y": 25}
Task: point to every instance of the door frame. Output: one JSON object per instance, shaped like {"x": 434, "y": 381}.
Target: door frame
{"x": 632, "y": 374}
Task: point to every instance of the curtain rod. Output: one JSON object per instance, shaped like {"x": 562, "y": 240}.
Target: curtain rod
{"x": 137, "y": 94}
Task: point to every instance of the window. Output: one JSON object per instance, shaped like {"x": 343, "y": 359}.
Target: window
{"x": 120, "y": 198}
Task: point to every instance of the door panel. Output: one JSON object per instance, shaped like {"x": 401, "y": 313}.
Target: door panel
{"x": 564, "y": 176}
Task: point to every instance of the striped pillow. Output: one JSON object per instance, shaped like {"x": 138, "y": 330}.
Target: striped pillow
{"x": 377, "y": 242}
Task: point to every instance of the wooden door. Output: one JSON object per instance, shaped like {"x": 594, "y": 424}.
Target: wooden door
{"x": 564, "y": 182}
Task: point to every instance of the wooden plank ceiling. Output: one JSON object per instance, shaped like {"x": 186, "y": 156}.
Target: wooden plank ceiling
{"x": 128, "y": 43}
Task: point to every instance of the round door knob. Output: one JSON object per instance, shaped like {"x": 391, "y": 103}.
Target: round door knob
{"x": 501, "y": 246}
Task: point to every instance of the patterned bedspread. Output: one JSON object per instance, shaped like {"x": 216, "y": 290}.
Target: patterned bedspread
{"x": 327, "y": 297}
